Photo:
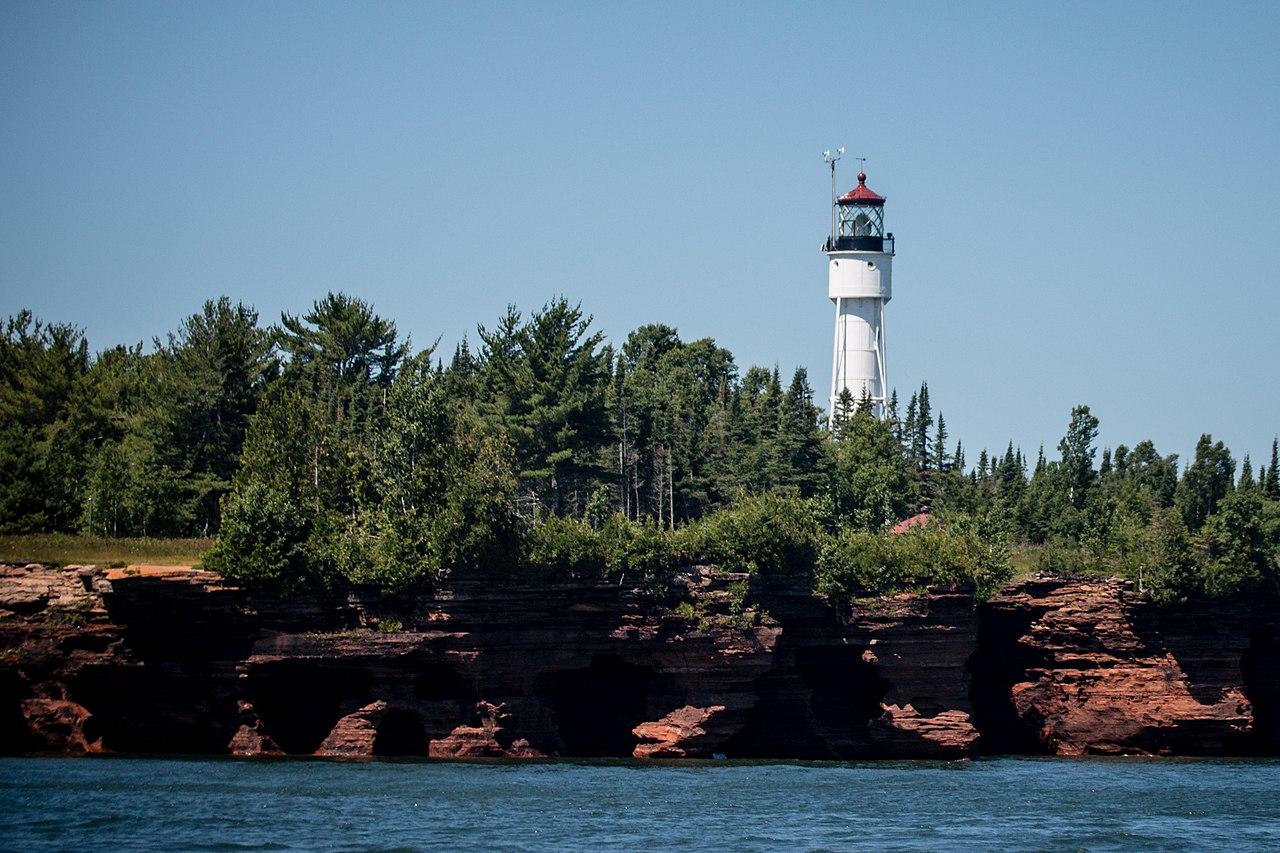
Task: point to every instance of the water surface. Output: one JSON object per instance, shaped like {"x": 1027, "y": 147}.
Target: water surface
{"x": 1050, "y": 804}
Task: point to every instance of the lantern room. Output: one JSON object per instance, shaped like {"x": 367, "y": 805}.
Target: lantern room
{"x": 861, "y": 220}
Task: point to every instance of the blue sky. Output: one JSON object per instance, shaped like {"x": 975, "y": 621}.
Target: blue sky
{"x": 1084, "y": 195}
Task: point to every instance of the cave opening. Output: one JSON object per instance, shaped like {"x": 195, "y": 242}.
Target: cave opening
{"x": 440, "y": 682}
{"x": 817, "y": 703}
{"x": 400, "y": 733}
{"x": 596, "y": 708}
{"x": 1260, "y": 667}
{"x": 300, "y": 701}
{"x": 999, "y": 661}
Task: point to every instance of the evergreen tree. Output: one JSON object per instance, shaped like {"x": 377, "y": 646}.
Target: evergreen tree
{"x": 46, "y": 436}
{"x": 844, "y": 411}
{"x": 1206, "y": 482}
{"x": 212, "y": 374}
{"x": 799, "y": 440}
{"x": 940, "y": 445}
{"x": 1246, "y": 474}
{"x": 920, "y": 442}
{"x": 893, "y": 417}
{"x": 1271, "y": 488}
{"x": 1120, "y": 460}
{"x": 1152, "y": 473}
{"x": 547, "y": 382}
{"x": 865, "y": 405}
{"x": 871, "y": 483}
{"x": 341, "y": 338}
{"x": 910, "y": 427}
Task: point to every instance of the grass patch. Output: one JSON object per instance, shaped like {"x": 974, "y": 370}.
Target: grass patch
{"x": 68, "y": 548}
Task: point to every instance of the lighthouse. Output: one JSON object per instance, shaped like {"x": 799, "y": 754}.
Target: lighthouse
{"x": 859, "y": 282}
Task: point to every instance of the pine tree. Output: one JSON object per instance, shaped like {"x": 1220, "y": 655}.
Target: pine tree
{"x": 865, "y": 404}
{"x": 547, "y": 384}
{"x": 920, "y": 442}
{"x": 1246, "y": 474}
{"x": 799, "y": 441}
{"x": 958, "y": 458}
{"x": 909, "y": 426}
{"x": 1205, "y": 483}
{"x": 1272, "y": 486}
{"x": 940, "y": 444}
{"x": 893, "y": 416}
{"x": 843, "y": 414}
{"x": 1121, "y": 459}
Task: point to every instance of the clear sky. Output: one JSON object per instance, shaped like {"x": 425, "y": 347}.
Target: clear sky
{"x": 1086, "y": 196}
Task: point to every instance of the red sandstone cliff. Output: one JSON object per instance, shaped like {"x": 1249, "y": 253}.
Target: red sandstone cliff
{"x": 169, "y": 661}
{"x": 1088, "y": 667}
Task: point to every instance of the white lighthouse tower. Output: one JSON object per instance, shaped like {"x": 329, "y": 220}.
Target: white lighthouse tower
{"x": 859, "y": 276}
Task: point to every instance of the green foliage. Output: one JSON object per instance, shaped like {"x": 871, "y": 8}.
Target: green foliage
{"x": 618, "y": 551}
{"x": 426, "y": 496}
{"x": 341, "y": 341}
{"x": 341, "y": 460}
{"x": 1235, "y": 550}
{"x": 1206, "y": 482}
{"x": 773, "y": 538}
{"x": 267, "y": 541}
{"x": 871, "y": 483}
{"x": 855, "y": 562}
{"x": 208, "y": 380}
{"x": 546, "y": 381}
{"x": 1078, "y": 450}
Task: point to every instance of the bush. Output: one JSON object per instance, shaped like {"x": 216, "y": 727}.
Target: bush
{"x": 854, "y": 563}
{"x": 615, "y": 550}
{"x": 773, "y": 538}
{"x": 265, "y": 540}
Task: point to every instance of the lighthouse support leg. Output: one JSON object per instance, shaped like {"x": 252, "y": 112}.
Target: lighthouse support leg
{"x": 836, "y": 364}
{"x": 884, "y": 384}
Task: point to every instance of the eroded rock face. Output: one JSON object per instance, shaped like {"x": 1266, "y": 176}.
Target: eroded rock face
{"x": 174, "y": 661}
{"x": 1088, "y": 667}
{"x": 486, "y": 737}
{"x": 686, "y": 732}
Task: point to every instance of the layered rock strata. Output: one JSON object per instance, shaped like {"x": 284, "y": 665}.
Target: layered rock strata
{"x": 150, "y": 660}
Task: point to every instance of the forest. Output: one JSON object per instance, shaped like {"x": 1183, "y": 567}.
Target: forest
{"x": 325, "y": 452}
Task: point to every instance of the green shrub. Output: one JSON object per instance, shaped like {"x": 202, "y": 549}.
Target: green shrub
{"x": 565, "y": 549}
{"x": 617, "y": 550}
{"x": 773, "y": 538}
{"x": 264, "y": 541}
{"x": 854, "y": 563}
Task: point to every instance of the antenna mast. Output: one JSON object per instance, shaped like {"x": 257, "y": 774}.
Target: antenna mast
{"x": 832, "y": 159}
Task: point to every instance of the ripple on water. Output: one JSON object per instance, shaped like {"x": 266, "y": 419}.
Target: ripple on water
{"x": 164, "y": 804}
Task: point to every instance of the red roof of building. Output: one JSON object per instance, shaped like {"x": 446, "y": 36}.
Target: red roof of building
{"x": 922, "y": 519}
{"x": 861, "y": 195}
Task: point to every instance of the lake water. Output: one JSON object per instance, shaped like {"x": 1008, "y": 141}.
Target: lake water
{"x": 221, "y": 804}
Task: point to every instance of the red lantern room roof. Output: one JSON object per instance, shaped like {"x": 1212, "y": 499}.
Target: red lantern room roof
{"x": 861, "y": 195}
